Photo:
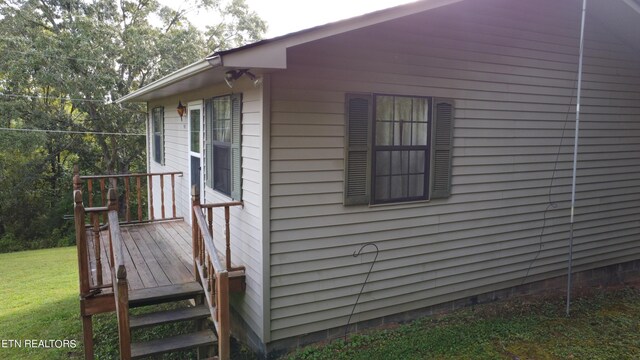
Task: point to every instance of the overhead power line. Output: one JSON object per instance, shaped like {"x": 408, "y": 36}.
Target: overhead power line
{"x": 63, "y": 57}
{"x": 72, "y": 132}
{"x": 52, "y": 98}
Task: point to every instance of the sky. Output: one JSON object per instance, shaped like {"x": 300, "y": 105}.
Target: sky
{"x": 286, "y": 16}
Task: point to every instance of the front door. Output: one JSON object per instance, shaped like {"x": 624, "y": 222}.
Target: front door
{"x": 195, "y": 145}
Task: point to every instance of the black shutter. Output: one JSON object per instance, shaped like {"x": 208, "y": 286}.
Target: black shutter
{"x": 236, "y": 142}
{"x": 357, "y": 149}
{"x": 442, "y": 147}
{"x": 208, "y": 142}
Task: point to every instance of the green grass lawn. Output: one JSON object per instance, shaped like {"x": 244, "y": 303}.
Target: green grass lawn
{"x": 39, "y": 300}
{"x": 604, "y": 324}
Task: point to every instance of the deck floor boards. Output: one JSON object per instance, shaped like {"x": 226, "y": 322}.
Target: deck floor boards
{"x": 156, "y": 254}
{"x": 171, "y": 271}
{"x": 150, "y": 260}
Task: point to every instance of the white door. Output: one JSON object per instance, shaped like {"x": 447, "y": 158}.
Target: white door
{"x": 195, "y": 147}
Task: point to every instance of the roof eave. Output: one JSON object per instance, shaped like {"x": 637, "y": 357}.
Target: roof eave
{"x": 179, "y": 75}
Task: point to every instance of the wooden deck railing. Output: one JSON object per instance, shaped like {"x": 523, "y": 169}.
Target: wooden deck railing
{"x": 135, "y": 192}
{"x": 119, "y": 285}
{"x": 88, "y": 285}
{"x": 119, "y": 276}
{"x": 209, "y": 268}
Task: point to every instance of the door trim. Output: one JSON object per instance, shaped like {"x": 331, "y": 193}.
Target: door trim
{"x": 195, "y": 105}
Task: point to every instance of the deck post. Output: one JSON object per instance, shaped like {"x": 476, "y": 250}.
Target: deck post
{"x": 227, "y": 236}
{"x": 224, "y": 335}
{"x": 121, "y": 293}
{"x": 83, "y": 266}
{"x": 81, "y": 242}
{"x": 87, "y": 336}
{"x": 77, "y": 182}
{"x": 112, "y": 202}
{"x": 195, "y": 230}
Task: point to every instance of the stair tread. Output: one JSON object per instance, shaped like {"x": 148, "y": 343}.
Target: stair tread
{"x": 162, "y": 317}
{"x": 174, "y": 343}
{"x": 164, "y": 294}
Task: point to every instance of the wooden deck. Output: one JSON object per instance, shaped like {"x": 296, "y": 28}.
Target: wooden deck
{"x": 156, "y": 254}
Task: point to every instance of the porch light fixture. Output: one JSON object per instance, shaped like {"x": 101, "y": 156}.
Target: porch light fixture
{"x": 181, "y": 109}
{"x": 233, "y": 75}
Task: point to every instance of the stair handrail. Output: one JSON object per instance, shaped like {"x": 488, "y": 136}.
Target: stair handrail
{"x": 119, "y": 276}
{"x": 209, "y": 269}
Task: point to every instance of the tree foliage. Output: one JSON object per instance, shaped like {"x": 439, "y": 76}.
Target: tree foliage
{"x": 64, "y": 61}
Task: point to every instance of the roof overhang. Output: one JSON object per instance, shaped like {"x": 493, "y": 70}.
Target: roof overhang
{"x": 181, "y": 80}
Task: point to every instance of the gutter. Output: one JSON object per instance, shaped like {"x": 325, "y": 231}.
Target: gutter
{"x": 179, "y": 75}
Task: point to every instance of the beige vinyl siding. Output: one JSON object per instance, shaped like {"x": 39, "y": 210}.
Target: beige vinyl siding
{"x": 513, "y": 80}
{"x": 245, "y": 222}
{"x": 175, "y": 146}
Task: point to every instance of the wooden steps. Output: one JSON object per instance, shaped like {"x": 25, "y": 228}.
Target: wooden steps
{"x": 175, "y": 343}
{"x": 203, "y": 338}
{"x": 163, "y": 317}
{"x": 161, "y": 294}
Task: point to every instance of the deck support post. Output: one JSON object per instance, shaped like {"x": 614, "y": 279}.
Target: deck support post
{"x": 87, "y": 336}
{"x": 195, "y": 230}
{"x": 224, "y": 334}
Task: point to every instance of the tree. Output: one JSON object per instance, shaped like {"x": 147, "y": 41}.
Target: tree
{"x": 65, "y": 60}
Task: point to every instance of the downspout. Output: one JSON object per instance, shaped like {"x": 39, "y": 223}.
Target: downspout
{"x": 575, "y": 155}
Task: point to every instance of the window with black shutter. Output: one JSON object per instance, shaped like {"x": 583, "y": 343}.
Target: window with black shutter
{"x": 397, "y": 148}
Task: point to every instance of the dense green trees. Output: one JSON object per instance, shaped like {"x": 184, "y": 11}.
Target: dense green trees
{"x": 63, "y": 61}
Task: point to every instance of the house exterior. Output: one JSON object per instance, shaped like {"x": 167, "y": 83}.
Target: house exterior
{"x": 441, "y": 131}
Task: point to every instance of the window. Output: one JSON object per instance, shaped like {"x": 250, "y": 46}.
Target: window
{"x": 157, "y": 128}
{"x": 223, "y": 137}
{"x": 398, "y": 148}
{"x": 194, "y": 117}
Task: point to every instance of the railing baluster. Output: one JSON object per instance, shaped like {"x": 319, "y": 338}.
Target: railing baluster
{"x": 162, "y": 195}
{"x": 150, "y": 180}
{"x": 210, "y": 220}
{"x": 139, "y": 188}
{"x": 173, "y": 194}
{"x": 209, "y": 273}
{"x": 227, "y": 234}
{"x": 127, "y": 205}
{"x": 202, "y": 249}
{"x": 90, "y": 189}
{"x": 103, "y": 196}
{"x": 96, "y": 247}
